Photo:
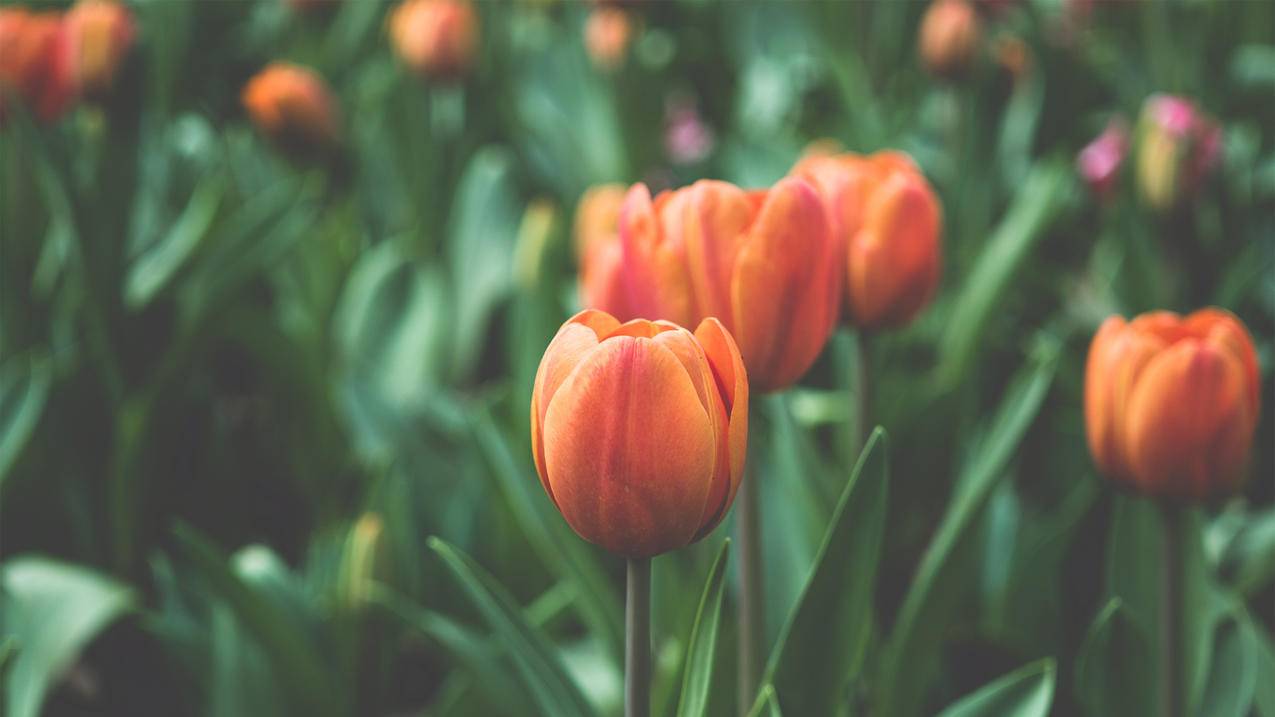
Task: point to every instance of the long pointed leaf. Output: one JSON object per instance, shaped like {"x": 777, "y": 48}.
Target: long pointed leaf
{"x": 1026, "y": 692}
{"x": 697, "y": 677}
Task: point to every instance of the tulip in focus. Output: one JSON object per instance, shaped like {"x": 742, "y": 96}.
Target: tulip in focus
{"x": 33, "y": 67}
{"x": 1178, "y": 145}
{"x": 639, "y": 430}
{"x": 949, "y": 37}
{"x": 599, "y": 252}
{"x": 1100, "y": 161}
{"x": 887, "y": 224}
{"x": 435, "y": 38}
{"x": 1171, "y": 402}
{"x": 292, "y": 106}
{"x": 99, "y": 34}
{"x": 763, "y": 262}
{"x": 607, "y": 33}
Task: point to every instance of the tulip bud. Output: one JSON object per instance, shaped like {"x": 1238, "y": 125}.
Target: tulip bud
{"x": 435, "y": 38}
{"x": 607, "y": 33}
{"x": 950, "y": 33}
{"x": 1178, "y": 145}
{"x": 887, "y": 224}
{"x": 364, "y": 561}
{"x": 292, "y": 106}
{"x": 99, "y": 36}
{"x": 1100, "y": 161}
{"x": 1171, "y": 403}
{"x": 33, "y": 67}
{"x": 639, "y": 430}
{"x": 598, "y": 250}
{"x": 763, "y": 262}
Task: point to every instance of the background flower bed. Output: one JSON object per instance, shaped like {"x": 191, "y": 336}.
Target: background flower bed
{"x": 239, "y": 393}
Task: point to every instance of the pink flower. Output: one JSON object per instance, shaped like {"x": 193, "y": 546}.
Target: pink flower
{"x": 1100, "y": 161}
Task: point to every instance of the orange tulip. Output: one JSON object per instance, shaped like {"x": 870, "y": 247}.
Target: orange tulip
{"x": 762, "y": 262}
{"x": 1171, "y": 403}
{"x": 639, "y": 430}
{"x": 949, "y": 37}
{"x": 607, "y": 33}
{"x": 33, "y": 66}
{"x": 435, "y": 38}
{"x": 292, "y": 106}
{"x": 888, "y": 223}
{"x": 598, "y": 249}
{"x": 99, "y": 36}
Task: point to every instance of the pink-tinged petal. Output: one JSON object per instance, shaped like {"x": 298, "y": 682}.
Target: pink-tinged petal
{"x": 1188, "y": 426}
{"x": 602, "y": 280}
{"x": 717, "y": 216}
{"x": 732, "y": 383}
{"x": 629, "y": 449}
{"x": 784, "y": 287}
{"x": 654, "y": 257}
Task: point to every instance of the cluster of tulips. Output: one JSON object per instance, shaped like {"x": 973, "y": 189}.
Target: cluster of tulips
{"x": 49, "y": 59}
{"x": 639, "y": 426}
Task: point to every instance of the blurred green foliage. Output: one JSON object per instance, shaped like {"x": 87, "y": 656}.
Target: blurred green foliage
{"x": 214, "y": 362}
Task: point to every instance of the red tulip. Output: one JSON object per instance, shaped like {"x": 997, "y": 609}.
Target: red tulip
{"x": 887, "y": 223}
{"x": 639, "y": 430}
{"x": 1171, "y": 403}
{"x": 99, "y": 36}
{"x": 762, "y": 262}
{"x": 33, "y": 65}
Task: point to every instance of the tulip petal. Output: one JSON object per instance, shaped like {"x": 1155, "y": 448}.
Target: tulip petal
{"x": 717, "y": 216}
{"x": 732, "y": 383}
{"x": 655, "y": 256}
{"x": 629, "y": 449}
{"x": 785, "y": 286}
{"x": 1188, "y": 424}
{"x": 577, "y": 337}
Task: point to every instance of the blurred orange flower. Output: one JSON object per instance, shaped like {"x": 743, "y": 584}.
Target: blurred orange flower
{"x": 99, "y": 34}
{"x": 598, "y": 250}
{"x": 607, "y": 33}
{"x": 293, "y": 106}
{"x": 33, "y": 66}
{"x": 435, "y": 38}
{"x": 949, "y": 37}
{"x": 1171, "y": 402}
{"x": 639, "y": 430}
{"x": 887, "y": 223}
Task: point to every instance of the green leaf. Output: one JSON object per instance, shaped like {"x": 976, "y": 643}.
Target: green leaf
{"x": 305, "y": 677}
{"x": 482, "y": 237}
{"x": 550, "y": 536}
{"x": 1043, "y": 195}
{"x": 767, "y": 704}
{"x": 1249, "y": 557}
{"x": 1026, "y": 692}
{"x": 913, "y": 648}
{"x": 53, "y": 611}
{"x": 159, "y": 263}
{"x": 24, "y": 388}
{"x": 541, "y": 669}
{"x": 1115, "y": 669}
{"x": 464, "y": 644}
{"x": 697, "y": 676}
{"x": 821, "y": 649}
{"x": 1264, "y": 696}
{"x": 1232, "y": 682}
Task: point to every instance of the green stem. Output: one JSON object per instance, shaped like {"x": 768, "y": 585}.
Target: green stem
{"x": 863, "y": 389}
{"x": 750, "y": 592}
{"x": 1171, "y": 681}
{"x": 637, "y": 639}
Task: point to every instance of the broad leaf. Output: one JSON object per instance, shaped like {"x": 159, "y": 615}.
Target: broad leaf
{"x": 53, "y": 611}
{"x": 1115, "y": 670}
{"x": 821, "y": 648}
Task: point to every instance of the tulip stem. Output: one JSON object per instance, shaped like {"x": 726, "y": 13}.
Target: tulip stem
{"x": 637, "y": 639}
{"x": 863, "y": 389}
{"x": 1171, "y": 612}
{"x": 750, "y": 593}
